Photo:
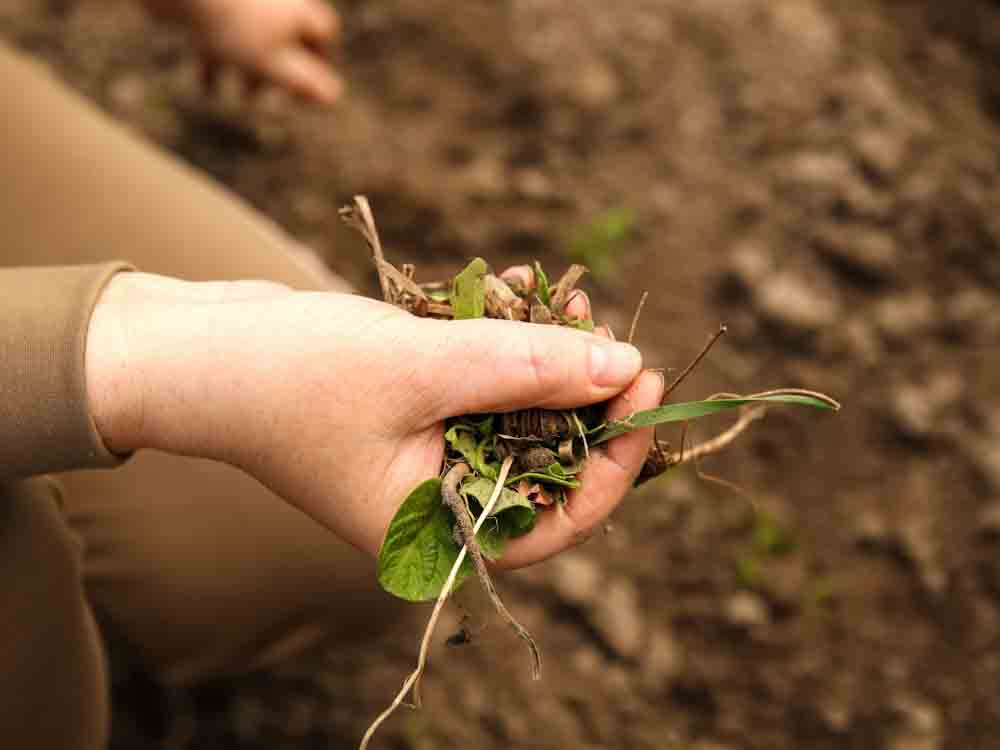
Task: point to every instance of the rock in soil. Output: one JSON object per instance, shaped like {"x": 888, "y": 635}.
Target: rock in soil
{"x": 746, "y": 610}
{"x": 922, "y": 411}
{"x": 617, "y": 617}
{"x": 794, "y": 305}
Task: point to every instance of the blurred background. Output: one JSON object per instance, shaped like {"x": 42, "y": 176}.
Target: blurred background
{"x": 823, "y": 177}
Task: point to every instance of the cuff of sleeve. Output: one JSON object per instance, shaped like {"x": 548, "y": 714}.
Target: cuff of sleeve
{"x": 45, "y": 421}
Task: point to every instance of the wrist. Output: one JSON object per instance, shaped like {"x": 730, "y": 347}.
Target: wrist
{"x": 113, "y": 388}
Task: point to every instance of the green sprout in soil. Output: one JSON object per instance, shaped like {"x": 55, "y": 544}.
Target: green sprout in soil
{"x": 598, "y": 243}
{"x": 501, "y": 471}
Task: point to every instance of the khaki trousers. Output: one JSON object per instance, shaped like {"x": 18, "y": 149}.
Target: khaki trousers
{"x": 198, "y": 566}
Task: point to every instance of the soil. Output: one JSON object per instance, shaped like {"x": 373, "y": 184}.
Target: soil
{"x": 821, "y": 176}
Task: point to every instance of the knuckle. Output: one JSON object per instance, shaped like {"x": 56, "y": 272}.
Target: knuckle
{"x": 549, "y": 367}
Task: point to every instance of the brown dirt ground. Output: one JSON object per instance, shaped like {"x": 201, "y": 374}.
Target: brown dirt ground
{"x": 824, "y": 177}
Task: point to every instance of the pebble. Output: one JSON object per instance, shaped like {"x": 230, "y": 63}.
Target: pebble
{"x": 988, "y": 521}
{"x": 747, "y": 610}
{"x": 787, "y": 300}
{"x": 617, "y": 617}
{"x": 882, "y": 151}
{"x": 903, "y": 316}
{"x": 749, "y": 264}
{"x": 534, "y": 185}
{"x": 576, "y": 579}
{"x": 870, "y": 254}
{"x": 984, "y": 454}
{"x": 596, "y": 87}
{"x": 871, "y": 531}
{"x": 920, "y": 411}
{"x": 662, "y": 660}
{"x": 920, "y": 726}
{"x": 862, "y": 342}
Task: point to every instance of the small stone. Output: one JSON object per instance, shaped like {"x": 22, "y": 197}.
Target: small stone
{"x": 984, "y": 454}
{"x": 747, "y": 610}
{"x": 882, "y": 151}
{"x": 533, "y": 184}
{"x": 662, "y": 660}
{"x": 862, "y": 342}
{"x": 616, "y": 616}
{"x": 836, "y": 716}
{"x": 486, "y": 179}
{"x": 903, "y": 316}
{"x": 576, "y": 579}
{"x": 596, "y": 87}
{"x": 871, "y": 255}
{"x": 989, "y": 521}
{"x": 919, "y": 411}
{"x": 748, "y": 265}
{"x": 871, "y": 531}
{"x": 790, "y": 302}
{"x": 920, "y": 726}
{"x": 817, "y": 169}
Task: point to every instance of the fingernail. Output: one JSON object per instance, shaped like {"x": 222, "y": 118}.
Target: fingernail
{"x": 614, "y": 365}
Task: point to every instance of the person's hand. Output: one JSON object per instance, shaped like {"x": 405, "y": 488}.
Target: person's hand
{"x": 279, "y": 42}
{"x": 337, "y": 402}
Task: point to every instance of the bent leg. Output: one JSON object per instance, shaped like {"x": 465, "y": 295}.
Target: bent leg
{"x": 200, "y": 567}
{"x": 206, "y": 571}
{"x": 52, "y": 674}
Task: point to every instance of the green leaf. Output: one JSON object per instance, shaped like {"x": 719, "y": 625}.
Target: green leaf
{"x": 580, "y": 324}
{"x": 492, "y": 539}
{"x": 512, "y": 509}
{"x": 685, "y": 411}
{"x": 474, "y": 452}
{"x": 419, "y": 550}
{"x": 542, "y": 285}
{"x": 468, "y": 292}
{"x": 554, "y": 474}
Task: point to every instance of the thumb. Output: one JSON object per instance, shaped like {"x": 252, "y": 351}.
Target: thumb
{"x": 305, "y": 73}
{"x": 497, "y": 365}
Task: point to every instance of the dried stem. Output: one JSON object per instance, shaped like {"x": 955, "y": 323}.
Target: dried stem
{"x": 359, "y": 216}
{"x": 458, "y": 506}
{"x": 635, "y": 317}
{"x": 720, "y": 441}
{"x": 694, "y": 363}
{"x": 436, "y": 613}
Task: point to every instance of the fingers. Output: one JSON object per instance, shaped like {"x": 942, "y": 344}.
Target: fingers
{"x": 495, "y": 366}
{"x": 607, "y": 478}
{"x": 320, "y": 25}
{"x": 305, "y": 73}
{"x": 578, "y": 305}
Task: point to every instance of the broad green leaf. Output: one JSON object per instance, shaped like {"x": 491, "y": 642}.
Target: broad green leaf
{"x": 685, "y": 411}
{"x": 468, "y": 292}
{"x": 542, "y": 285}
{"x": 419, "y": 550}
{"x": 512, "y": 509}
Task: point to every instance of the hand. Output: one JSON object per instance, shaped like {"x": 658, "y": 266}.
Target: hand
{"x": 337, "y": 402}
{"x": 281, "y": 42}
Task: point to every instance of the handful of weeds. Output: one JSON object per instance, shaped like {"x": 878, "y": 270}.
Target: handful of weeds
{"x": 501, "y": 470}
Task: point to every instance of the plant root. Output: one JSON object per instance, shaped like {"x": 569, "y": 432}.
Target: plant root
{"x": 467, "y": 538}
{"x": 425, "y": 643}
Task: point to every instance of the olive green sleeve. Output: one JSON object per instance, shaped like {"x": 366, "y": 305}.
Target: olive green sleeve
{"x": 45, "y": 423}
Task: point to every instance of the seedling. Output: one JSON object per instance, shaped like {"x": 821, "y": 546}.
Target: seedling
{"x": 501, "y": 470}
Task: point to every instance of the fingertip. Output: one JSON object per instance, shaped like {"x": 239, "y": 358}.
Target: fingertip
{"x": 307, "y": 76}
{"x": 522, "y": 275}
{"x": 579, "y": 306}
